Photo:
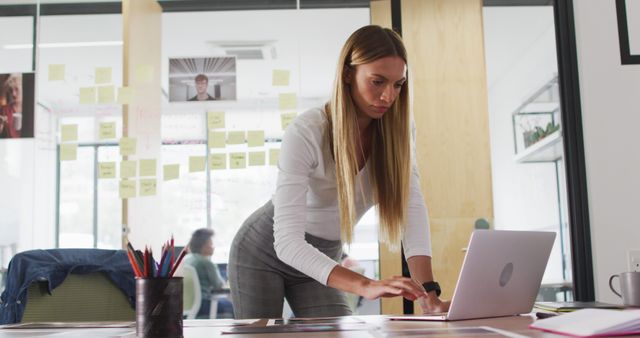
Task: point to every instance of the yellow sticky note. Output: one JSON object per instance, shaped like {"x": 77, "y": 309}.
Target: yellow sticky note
{"x": 127, "y": 169}
{"x": 106, "y": 94}
{"x": 107, "y": 130}
{"x": 256, "y": 158}
{"x": 56, "y": 72}
{"x": 255, "y": 138}
{"x": 127, "y": 146}
{"x": 218, "y": 161}
{"x": 288, "y": 101}
{"x": 196, "y": 163}
{"x": 238, "y": 160}
{"x": 69, "y": 132}
{"x": 280, "y": 77}
{"x": 68, "y": 152}
{"x": 147, "y": 167}
{"x": 273, "y": 156}
{"x": 286, "y": 119}
{"x": 125, "y": 95}
{"x": 217, "y": 139}
{"x": 148, "y": 187}
{"x": 103, "y": 75}
{"x": 215, "y": 120}
{"x": 144, "y": 73}
{"x": 171, "y": 172}
{"x": 127, "y": 189}
{"x": 87, "y": 95}
{"x": 235, "y": 137}
{"x": 106, "y": 169}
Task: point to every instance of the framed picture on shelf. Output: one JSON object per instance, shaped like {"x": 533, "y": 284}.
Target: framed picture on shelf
{"x": 193, "y": 79}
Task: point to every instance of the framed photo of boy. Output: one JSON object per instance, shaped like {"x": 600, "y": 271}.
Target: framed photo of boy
{"x": 17, "y": 105}
{"x": 195, "y": 79}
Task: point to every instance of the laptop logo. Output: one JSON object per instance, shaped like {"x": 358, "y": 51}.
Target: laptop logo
{"x": 506, "y": 274}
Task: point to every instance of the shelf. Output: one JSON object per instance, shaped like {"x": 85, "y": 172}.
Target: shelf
{"x": 549, "y": 149}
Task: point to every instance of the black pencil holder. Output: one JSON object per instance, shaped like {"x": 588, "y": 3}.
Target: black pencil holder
{"x": 159, "y": 307}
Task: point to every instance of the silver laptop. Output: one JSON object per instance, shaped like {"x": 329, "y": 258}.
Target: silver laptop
{"x": 500, "y": 275}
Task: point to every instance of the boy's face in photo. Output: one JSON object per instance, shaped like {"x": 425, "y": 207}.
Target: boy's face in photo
{"x": 201, "y": 86}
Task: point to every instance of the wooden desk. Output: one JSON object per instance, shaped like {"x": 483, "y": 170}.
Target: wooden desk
{"x": 213, "y": 328}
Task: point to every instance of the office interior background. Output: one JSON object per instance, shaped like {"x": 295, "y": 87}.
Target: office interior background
{"x": 48, "y": 201}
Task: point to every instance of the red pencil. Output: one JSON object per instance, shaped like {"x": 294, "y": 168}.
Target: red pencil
{"x": 175, "y": 266}
{"x": 134, "y": 265}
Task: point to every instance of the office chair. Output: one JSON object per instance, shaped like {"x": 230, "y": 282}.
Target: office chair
{"x": 87, "y": 297}
{"x": 191, "y": 293}
{"x": 68, "y": 285}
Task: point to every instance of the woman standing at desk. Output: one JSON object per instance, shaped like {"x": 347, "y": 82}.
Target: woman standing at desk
{"x": 335, "y": 163}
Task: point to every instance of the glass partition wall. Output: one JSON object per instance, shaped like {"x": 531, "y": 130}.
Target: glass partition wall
{"x": 283, "y": 64}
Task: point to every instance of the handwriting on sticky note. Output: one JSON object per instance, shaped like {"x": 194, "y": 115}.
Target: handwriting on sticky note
{"x": 255, "y": 138}
{"x": 217, "y": 139}
{"x": 125, "y": 95}
{"x": 256, "y": 158}
{"x": 106, "y": 94}
{"x": 127, "y": 146}
{"x": 68, "y": 152}
{"x": 218, "y": 161}
{"x": 69, "y": 132}
{"x": 288, "y": 101}
{"x": 215, "y": 120}
{"x": 148, "y": 187}
{"x": 127, "y": 188}
{"x": 107, "y": 130}
{"x": 286, "y": 119}
{"x": 280, "y": 77}
{"x": 147, "y": 167}
{"x": 103, "y": 75}
{"x": 171, "y": 172}
{"x": 87, "y": 95}
{"x": 196, "y": 163}
{"x": 273, "y": 156}
{"x": 128, "y": 169}
{"x": 56, "y": 72}
{"x": 237, "y": 160}
{"x": 106, "y": 169}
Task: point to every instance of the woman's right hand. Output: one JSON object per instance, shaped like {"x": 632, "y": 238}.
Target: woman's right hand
{"x": 393, "y": 287}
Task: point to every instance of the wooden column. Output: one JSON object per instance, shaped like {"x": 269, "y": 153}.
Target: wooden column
{"x": 142, "y": 20}
{"x": 444, "y": 40}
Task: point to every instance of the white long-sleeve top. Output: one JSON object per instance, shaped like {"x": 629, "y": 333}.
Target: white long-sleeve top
{"x": 306, "y": 200}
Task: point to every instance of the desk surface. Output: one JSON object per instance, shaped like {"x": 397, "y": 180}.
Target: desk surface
{"x": 515, "y": 327}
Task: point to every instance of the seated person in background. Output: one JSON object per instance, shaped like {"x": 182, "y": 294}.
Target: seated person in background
{"x": 200, "y": 251}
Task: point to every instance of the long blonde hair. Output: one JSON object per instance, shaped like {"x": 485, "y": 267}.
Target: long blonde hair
{"x": 390, "y": 166}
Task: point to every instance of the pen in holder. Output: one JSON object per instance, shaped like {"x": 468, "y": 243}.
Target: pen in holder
{"x": 158, "y": 293}
{"x": 159, "y": 307}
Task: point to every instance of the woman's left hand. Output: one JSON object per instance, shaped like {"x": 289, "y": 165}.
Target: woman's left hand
{"x": 433, "y": 304}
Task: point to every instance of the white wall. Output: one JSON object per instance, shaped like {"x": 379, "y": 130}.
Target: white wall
{"x": 610, "y": 97}
{"x": 520, "y": 57}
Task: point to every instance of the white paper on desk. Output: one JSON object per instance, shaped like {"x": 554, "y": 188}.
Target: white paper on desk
{"x": 592, "y": 322}
{"x": 470, "y": 331}
{"x": 96, "y": 333}
{"x": 216, "y": 322}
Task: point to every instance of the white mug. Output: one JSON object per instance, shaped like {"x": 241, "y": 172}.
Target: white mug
{"x": 17, "y": 121}
{"x": 629, "y": 288}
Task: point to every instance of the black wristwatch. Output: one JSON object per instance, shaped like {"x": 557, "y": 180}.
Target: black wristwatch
{"x": 431, "y": 286}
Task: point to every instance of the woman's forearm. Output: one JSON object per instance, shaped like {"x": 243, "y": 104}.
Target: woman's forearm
{"x": 344, "y": 279}
{"x": 420, "y": 268}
